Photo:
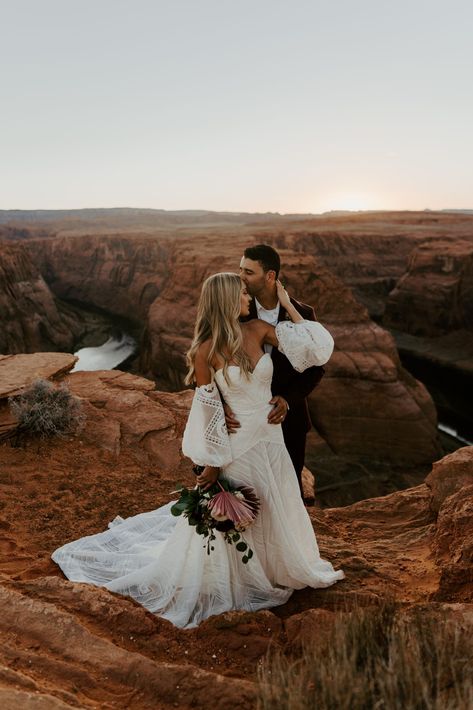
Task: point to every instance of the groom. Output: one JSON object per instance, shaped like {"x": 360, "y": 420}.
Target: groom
{"x": 259, "y": 270}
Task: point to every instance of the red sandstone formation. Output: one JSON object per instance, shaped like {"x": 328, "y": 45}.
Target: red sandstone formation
{"x": 73, "y": 645}
{"x": 30, "y": 320}
{"x": 435, "y": 295}
{"x": 120, "y": 274}
{"x": 367, "y": 407}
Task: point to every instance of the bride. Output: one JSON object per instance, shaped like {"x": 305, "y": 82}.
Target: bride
{"x": 159, "y": 559}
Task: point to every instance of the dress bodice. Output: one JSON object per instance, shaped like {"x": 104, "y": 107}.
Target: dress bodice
{"x": 244, "y": 394}
{"x": 248, "y": 398}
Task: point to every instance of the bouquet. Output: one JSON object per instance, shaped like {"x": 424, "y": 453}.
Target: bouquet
{"x": 221, "y": 507}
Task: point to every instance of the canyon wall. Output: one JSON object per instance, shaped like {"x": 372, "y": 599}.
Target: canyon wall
{"x": 367, "y": 409}
{"x": 30, "y": 319}
{"x": 367, "y": 406}
{"x": 435, "y": 295}
{"x": 119, "y": 274}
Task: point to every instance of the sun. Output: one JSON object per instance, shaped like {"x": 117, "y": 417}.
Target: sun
{"x": 351, "y": 201}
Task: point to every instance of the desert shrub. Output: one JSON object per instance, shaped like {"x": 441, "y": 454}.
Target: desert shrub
{"x": 375, "y": 659}
{"x": 46, "y": 410}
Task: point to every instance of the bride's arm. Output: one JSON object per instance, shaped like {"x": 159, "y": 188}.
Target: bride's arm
{"x": 305, "y": 343}
{"x": 205, "y": 439}
{"x": 202, "y": 373}
{"x": 203, "y": 376}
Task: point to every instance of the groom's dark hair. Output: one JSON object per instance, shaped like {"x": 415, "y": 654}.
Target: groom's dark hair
{"x": 266, "y": 256}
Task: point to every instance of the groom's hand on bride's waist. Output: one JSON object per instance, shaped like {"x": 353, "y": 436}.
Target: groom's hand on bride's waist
{"x": 280, "y": 408}
{"x": 232, "y": 424}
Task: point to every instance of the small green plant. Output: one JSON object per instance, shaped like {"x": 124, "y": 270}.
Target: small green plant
{"x": 46, "y": 410}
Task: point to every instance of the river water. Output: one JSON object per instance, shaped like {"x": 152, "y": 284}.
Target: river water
{"x": 106, "y": 356}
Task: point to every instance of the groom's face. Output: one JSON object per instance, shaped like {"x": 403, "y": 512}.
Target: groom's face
{"x": 253, "y": 276}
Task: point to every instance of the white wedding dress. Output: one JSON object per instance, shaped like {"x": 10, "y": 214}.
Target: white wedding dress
{"x": 161, "y": 561}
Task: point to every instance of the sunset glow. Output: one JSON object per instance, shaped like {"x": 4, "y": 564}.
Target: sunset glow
{"x": 248, "y": 107}
{"x": 350, "y": 201}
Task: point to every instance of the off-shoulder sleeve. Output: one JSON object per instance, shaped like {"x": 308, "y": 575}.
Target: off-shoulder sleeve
{"x": 305, "y": 344}
{"x": 206, "y": 439}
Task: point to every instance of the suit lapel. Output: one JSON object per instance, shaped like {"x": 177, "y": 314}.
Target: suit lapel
{"x": 253, "y": 312}
{"x": 282, "y": 315}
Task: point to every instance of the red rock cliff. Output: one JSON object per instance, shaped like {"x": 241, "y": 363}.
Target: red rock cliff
{"x": 366, "y": 407}
{"x": 30, "y": 320}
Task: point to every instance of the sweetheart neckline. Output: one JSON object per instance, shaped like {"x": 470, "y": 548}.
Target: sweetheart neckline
{"x": 220, "y": 369}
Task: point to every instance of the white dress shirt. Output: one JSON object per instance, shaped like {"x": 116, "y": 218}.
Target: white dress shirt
{"x": 269, "y": 316}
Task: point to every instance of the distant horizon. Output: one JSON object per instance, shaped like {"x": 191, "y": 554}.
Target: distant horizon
{"x": 197, "y": 210}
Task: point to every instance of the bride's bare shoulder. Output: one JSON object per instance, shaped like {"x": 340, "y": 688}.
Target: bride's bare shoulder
{"x": 255, "y": 326}
{"x": 258, "y": 330}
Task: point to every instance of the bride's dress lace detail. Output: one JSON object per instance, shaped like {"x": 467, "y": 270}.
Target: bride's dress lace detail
{"x": 206, "y": 439}
{"x": 305, "y": 344}
{"x": 160, "y": 560}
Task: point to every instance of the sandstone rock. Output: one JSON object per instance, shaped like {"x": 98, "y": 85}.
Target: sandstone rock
{"x": 156, "y": 279}
{"x": 385, "y": 539}
{"x": 308, "y": 486}
{"x": 453, "y": 546}
{"x": 84, "y": 645}
{"x": 453, "y": 350}
{"x": 30, "y": 318}
{"x": 449, "y": 475}
{"x": 11, "y": 699}
{"x": 127, "y": 415}
{"x": 246, "y": 635}
{"x": 311, "y": 625}
{"x": 18, "y": 371}
{"x": 8, "y": 423}
{"x": 97, "y": 663}
{"x": 120, "y": 274}
{"x": 435, "y": 296}
{"x": 368, "y": 405}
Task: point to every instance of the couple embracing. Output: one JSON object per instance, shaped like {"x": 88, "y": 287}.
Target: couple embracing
{"x": 239, "y": 343}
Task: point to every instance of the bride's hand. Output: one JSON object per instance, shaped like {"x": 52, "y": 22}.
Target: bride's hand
{"x": 208, "y": 477}
{"x": 283, "y": 296}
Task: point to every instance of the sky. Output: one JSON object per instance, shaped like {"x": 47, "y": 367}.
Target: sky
{"x": 236, "y": 105}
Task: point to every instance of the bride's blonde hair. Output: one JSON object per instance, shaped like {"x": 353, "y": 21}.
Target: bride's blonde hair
{"x": 218, "y": 311}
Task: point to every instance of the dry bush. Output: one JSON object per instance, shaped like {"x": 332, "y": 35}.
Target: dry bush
{"x": 376, "y": 659}
{"x": 46, "y": 410}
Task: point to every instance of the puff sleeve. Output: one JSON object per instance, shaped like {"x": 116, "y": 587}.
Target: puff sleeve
{"x": 206, "y": 441}
{"x": 305, "y": 344}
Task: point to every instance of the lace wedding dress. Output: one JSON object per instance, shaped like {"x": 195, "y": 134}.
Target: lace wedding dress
{"x": 161, "y": 561}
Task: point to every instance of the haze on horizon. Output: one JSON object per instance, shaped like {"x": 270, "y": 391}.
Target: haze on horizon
{"x": 261, "y": 106}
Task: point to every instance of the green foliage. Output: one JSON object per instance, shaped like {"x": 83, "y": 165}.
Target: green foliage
{"x": 193, "y": 504}
{"x": 46, "y": 410}
{"x": 376, "y": 657}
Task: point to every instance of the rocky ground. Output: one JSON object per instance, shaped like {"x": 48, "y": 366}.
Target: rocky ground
{"x": 67, "y": 645}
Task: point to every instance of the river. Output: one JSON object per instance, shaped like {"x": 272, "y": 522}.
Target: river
{"x": 107, "y": 356}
